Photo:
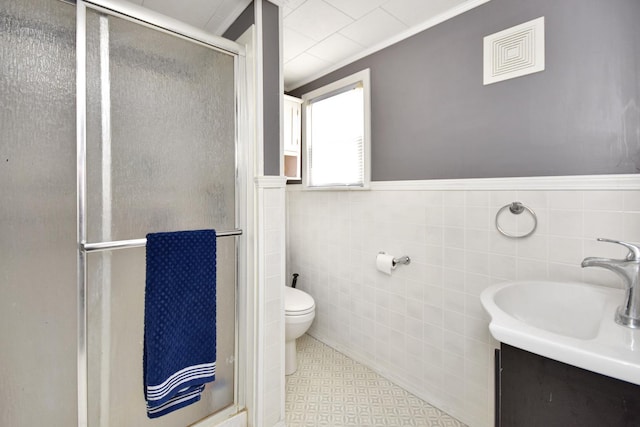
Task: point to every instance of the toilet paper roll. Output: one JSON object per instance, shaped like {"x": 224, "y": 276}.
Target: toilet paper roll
{"x": 384, "y": 263}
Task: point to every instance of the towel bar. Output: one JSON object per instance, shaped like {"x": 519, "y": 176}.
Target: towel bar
{"x": 136, "y": 243}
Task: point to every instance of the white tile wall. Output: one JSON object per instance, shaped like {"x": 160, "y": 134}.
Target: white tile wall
{"x": 424, "y": 326}
{"x": 271, "y": 212}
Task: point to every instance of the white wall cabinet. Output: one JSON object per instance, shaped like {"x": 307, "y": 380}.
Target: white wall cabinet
{"x": 292, "y": 136}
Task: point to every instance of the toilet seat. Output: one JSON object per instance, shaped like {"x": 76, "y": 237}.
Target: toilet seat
{"x": 297, "y": 302}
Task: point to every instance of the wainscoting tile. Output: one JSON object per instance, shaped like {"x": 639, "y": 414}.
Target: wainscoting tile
{"x": 431, "y": 308}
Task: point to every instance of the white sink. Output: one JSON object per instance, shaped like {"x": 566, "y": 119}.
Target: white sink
{"x": 569, "y": 322}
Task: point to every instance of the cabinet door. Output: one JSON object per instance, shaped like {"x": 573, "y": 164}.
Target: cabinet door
{"x": 296, "y": 119}
{"x": 292, "y": 119}
{"x": 288, "y": 123}
{"x": 539, "y": 392}
{"x": 292, "y": 136}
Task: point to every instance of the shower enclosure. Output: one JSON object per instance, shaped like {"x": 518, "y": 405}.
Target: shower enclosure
{"x": 146, "y": 141}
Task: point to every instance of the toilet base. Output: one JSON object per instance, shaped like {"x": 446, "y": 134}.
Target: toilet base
{"x": 290, "y": 357}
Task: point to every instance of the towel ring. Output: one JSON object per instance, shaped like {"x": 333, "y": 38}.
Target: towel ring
{"x": 517, "y": 208}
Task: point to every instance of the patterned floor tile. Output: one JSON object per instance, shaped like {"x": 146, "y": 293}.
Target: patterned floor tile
{"x": 330, "y": 389}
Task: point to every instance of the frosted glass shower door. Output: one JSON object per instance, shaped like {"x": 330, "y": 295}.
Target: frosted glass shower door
{"x": 160, "y": 157}
{"x": 37, "y": 214}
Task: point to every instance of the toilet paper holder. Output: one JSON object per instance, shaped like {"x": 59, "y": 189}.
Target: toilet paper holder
{"x": 402, "y": 260}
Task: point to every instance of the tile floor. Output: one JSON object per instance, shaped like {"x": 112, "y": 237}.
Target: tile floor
{"x": 330, "y": 389}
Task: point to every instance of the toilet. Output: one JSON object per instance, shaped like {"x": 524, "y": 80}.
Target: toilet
{"x": 299, "y": 312}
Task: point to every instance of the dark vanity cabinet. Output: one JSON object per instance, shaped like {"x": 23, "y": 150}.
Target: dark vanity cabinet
{"x": 534, "y": 391}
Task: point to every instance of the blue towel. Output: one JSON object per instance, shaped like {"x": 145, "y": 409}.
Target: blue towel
{"x": 179, "y": 319}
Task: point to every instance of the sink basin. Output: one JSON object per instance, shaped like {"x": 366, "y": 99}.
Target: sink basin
{"x": 569, "y": 322}
{"x": 563, "y": 308}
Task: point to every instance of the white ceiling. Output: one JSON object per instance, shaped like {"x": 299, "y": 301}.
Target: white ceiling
{"x": 322, "y": 35}
{"x": 214, "y": 16}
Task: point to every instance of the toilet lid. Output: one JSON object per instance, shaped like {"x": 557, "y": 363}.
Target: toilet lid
{"x": 297, "y": 302}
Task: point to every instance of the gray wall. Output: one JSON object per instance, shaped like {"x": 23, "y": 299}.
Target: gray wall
{"x": 432, "y": 117}
{"x": 271, "y": 88}
{"x": 246, "y": 19}
{"x": 271, "y": 77}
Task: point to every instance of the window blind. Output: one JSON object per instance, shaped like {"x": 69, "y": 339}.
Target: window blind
{"x": 335, "y": 152}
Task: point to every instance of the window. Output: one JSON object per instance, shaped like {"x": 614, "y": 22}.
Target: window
{"x": 337, "y": 129}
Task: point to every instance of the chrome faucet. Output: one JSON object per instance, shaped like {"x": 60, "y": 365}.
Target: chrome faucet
{"x": 627, "y": 314}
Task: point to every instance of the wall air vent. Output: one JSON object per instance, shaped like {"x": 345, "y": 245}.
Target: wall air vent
{"x": 514, "y": 52}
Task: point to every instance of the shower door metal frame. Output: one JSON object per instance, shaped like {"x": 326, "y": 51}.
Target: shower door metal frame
{"x": 243, "y": 170}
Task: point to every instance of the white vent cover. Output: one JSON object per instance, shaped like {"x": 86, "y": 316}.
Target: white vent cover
{"x": 514, "y": 52}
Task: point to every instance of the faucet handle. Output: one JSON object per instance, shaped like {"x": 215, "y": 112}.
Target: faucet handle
{"x": 634, "y": 249}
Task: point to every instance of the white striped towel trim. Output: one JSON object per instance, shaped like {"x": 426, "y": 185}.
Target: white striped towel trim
{"x": 157, "y": 392}
{"x": 176, "y": 400}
